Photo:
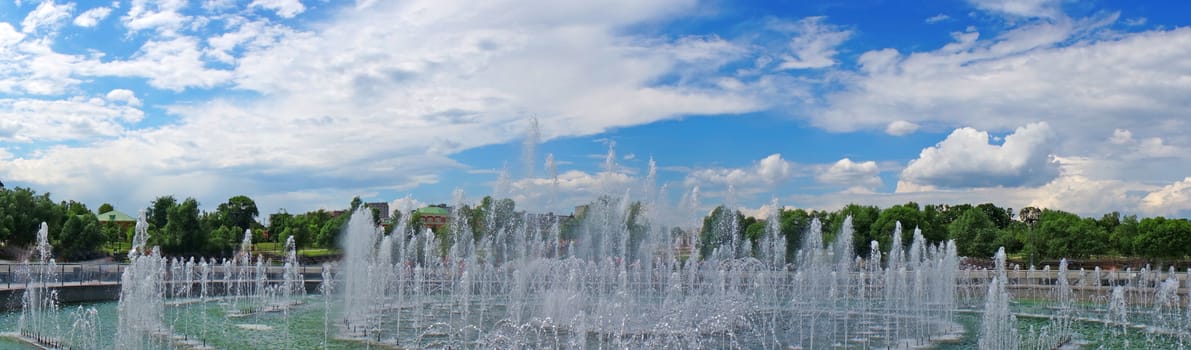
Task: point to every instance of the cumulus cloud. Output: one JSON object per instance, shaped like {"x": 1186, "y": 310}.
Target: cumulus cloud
{"x": 428, "y": 70}
{"x": 901, "y": 128}
{"x": 967, "y": 159}
{"x": 123, "y": 95}
{"x": 1173, "y": 199}
{"x": 164, "y": 17}
{"x": 173, "y": 64}
{"x": 73, "y": 119}
{"x": 862, "y": 176}
{"x": 1021, "y": 8}
{"x": 1066, "y": 72}
{"x": 814, "y": 44}
{"x": 47, "y": 14}
{"x": 767, "y": 172}
{"x": 91, "y": 17}
{"x": 1086, "y": 196}
{"x": 1121, "y": 137}
{"x": 284, "y": 8}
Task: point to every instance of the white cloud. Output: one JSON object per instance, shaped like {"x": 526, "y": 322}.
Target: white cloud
{"x": 9, "y": 36}
{"x": 162, "y": 16}
{"x": 1126, "y": 147}
{"x": 79, "y": 118}
{"x": 123, "y": 95}
{"x": 47, "y": 14}
{"x": 574, "y": 187}
{"x": 284, "y": 8}
{"x": 1121, "y": 137}
{"x": 853, "y": 175}
{"x": 1173, "y": 199}
{"x": 429, "y": 71}
{"x": 937, "y": 18}
{"x": 92, "y": 17}
{"x": 1021, "y": 8}
{"x": 1065, "y": 72}
{"x": 173, "y": 64}
{"x": 1085, "y": 196}
{"x": 901, "y": 128}
{"x": 1069, "y": 192}
{"x": 966, "y": 159}
{"x": 730, "y": 184}
{"x": 406, "y": 204}
{"x": 814, "y": 44}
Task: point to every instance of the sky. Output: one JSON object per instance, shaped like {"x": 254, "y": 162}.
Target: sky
{"x": 1082, "y": 106}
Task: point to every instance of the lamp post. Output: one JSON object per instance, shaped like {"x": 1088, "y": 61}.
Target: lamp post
{"x": 1030, "y": 216}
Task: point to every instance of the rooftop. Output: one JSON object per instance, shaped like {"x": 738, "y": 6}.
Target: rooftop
{"x": 115, "y": 216}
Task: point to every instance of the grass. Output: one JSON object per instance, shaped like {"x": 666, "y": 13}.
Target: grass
{"x": 317, "y": 252}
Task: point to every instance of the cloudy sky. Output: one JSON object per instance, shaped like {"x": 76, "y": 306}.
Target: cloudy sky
{"x": 302, "y": 104}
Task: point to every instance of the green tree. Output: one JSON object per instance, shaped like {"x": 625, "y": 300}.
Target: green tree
{"x": 718, "y": 230}
{"x": 183, "y": 231}
{"x": 1066, "y": 235}
{"x": 239, "y": 211}
{"x": 157, "y": 214}
{"x": 103, "y": 208}
{"x": 1163, "y": 238}
{"x": 22, "y": 211}
{"x": 1000, "y": 217}
{"x": 1123, "y": 235}
{"x": 80, "y": 237}
{"x": 863, "y": 217}
{"x": 907, "y": 214}
{"x": 793, "y": 225}
{"x": 974, "y": 233}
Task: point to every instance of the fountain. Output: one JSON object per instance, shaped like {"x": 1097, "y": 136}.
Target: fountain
{"x": 613, "y": 284}
{"x": 615, "y": 278}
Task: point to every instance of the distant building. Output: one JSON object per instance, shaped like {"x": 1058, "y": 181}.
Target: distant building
{"x": 117, "y": 218}
{"x": 382, "y": 208}
{"x": 434, "y": 216}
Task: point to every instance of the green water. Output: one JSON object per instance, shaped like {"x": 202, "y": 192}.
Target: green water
{"x": 302, "y": 327}
{"x": 208, "y": 324}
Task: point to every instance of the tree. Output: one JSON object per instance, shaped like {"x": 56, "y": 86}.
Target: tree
{"x": 1066, "y": 235}
{"x": 239, "y": 211}
{"x": 103, "y": 208}
{"x": 974, "y": 233}
{"x": 157, "y": 214}
{"x": 22, "y": 211}
{"x": 907, "y": 214}
{"x": 1000, "y": 217}
{"x": 1123, "y": 236}
{"x": 183, "y": 232}
{"x": 80, "y": 237}
{"x": 793, "y": 224}
{"x": 1162, "y": 237}
{"x": 863, "y": 217}
{"x": 718, "y": 230}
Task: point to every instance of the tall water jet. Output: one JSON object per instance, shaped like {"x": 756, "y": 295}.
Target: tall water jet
{"x": 141, "y": 308}
{"x": 39, "y": 302}
{"x": 533, "y": 135}
{"x": 998, "y": 331}
{"x": 360, "y": 242}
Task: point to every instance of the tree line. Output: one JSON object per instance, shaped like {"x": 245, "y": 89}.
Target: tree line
{"x": 181, "y": 228}
{"x": 979, "y": 230}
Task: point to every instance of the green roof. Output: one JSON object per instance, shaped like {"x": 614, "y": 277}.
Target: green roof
{"x": 115, "y": 216}
{"x": 433, "y": 211}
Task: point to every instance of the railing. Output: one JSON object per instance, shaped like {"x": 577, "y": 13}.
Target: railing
{"x": 73, "y": 274}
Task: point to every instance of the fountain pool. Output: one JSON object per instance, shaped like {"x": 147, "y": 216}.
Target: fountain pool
{"x": 610, "y": 284}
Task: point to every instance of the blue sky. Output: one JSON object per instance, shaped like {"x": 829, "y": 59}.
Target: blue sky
{"x": 1074, "y": 105}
